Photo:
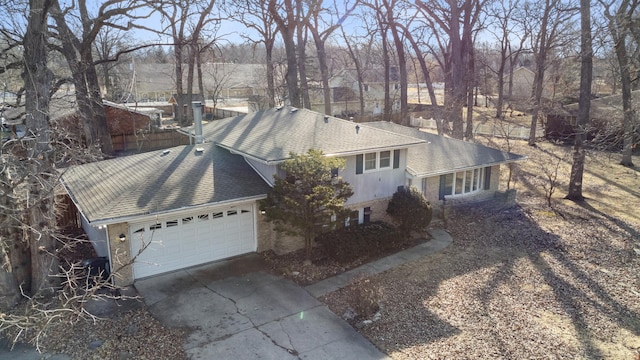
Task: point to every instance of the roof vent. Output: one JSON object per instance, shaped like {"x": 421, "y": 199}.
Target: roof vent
{"x": 326, "y": 118}
{"x": 165, "y": 152}
{"x": 293, "y": 109}
{"x": 278, "y": 108}
{"x": 357, "y": 129}
{"x": 199, "y": 150}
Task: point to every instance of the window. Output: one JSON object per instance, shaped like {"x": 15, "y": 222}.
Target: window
{"x": 232, "y": 212}
{"x": 424, "y": 186}
{"x": 334, "y": 173}
{"x": 187, "y": 220}
{"x": 460, "y": 183}
{"x": 370, "y": 161}
{"x": 365, "y": 87}
{"x": 172, "y": 223}
{"x": 377, "y": 160}
{"x": 366, "y": 215}
{"x": 352, "y": 219}
{"x": 155, "y": 226}
{"x": 203, "y": 217}
{"x": 217, "y": 215}
{"x": 385, "y": 159}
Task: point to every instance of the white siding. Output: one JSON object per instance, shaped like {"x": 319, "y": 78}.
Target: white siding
{"x": 266, "y": 171}
{"x": 376, "y": 184}
{"x": 97, "y": 236}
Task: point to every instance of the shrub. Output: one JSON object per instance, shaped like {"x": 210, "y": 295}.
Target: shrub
{"x": 410, "y": 211}
{"x": 360, "y": 241}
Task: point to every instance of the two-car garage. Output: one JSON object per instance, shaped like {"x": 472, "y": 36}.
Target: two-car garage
{"x": 176, "y": 242}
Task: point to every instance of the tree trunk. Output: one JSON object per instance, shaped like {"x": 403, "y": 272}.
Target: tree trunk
{"x": 179, "y": 116}
{"x": 287, "y": 30}
{"x": 427, "y": 79}
{"x": 85, "y": 79}
{"x": 302, "y": 56}
{"x": 538, "y": 80}
{"x": 271, "y": 87}
{"x": 98, "y": 117}
{"x": 402, "y": 68}
{"x": 324, "y": 70}
{"x": 387, "y": 72}
{"x": 584, "y": 103}
{"x": 44, "y": 263}
{"x": 359, "y": 74}
{"x": 619, "y": 34}
{"x": 470, "y": 74}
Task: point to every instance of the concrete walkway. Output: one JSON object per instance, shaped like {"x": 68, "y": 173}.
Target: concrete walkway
{"x": 440, "y": 239}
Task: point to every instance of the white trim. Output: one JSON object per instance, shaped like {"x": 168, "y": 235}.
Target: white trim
{"x": 177, "y": 212}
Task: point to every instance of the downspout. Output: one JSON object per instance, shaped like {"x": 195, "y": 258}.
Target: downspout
{"x": 197, "y": 120}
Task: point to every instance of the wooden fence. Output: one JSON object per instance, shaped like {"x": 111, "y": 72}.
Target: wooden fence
{"x": 143, "y": 142}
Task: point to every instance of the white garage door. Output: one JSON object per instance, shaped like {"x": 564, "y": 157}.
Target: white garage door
{"x": 175, "y": 243}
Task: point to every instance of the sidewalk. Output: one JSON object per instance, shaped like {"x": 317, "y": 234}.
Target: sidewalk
{"x": 440, "y": 239}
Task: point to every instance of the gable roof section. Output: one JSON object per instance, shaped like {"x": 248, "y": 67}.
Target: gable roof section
{"x": 160, "y": 181}
{"x": 271, "y": 135}
{"x": 444, "y": 155}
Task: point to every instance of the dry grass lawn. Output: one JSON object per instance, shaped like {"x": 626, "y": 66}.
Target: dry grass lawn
{"x": 527, "y": 281}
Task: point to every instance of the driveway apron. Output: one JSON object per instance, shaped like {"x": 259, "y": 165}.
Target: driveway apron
{"x": 250, "y": 315}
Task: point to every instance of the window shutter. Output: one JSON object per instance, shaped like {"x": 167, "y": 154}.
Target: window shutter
{"x": 396, "y": 159}
{"x": 487, "y": 178}
{"x": 442, "y": 187}
{"x": 359, "y": 163}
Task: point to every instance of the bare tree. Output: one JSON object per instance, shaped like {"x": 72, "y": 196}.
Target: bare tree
{"x": 457, "y": 21}
{"x": 620, "y": 24}
{"x": 186, "y": 20}
{"x": 109, "y": 43}
{"x": 255, "y": 15}
{"x": 285, "y": 17}
{"x": 503, "y": 12}
{"x": 584, "y": 104}
{"x": 320, "y": 37}
{"x": 550, "y": 21}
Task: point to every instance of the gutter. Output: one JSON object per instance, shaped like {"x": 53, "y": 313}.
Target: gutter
{"x": 177, "y": 212}
{"x": 449, "y": 171}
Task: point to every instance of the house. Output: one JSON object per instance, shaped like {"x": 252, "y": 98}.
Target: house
{"x": 188, "y": 205}
{"x": 523, "y": 81}
{"x": 345, "y": 92}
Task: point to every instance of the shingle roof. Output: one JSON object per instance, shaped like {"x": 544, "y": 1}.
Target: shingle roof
{"x": 271, "y": 135}
{"x": 445, "y": 155}
{"x": 160, "y": 181}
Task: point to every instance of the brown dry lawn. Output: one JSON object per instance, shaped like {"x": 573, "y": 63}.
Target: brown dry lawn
{"x": 526, "y": 281}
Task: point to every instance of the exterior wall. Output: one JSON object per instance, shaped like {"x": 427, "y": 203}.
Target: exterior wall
{"x": 98, "y": 237}
{"x": 374, "y": 185}
{"x": 120, "y": 254}
{"x": 378, "y": 209}
{"x": 266, "y": 171}
{"x": 269, "y": 239}
{"x": 433, "y": 191}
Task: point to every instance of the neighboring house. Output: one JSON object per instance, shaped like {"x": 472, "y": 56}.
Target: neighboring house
{"x": 194, "y": 204}
{"x": 523, "y": 80}
{"x": 345, "y": 92}
{"x": 156, "y": 82}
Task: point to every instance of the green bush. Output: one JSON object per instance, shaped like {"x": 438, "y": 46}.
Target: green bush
{"x": 359, "y": 241}
{"x": 410, "y": 211}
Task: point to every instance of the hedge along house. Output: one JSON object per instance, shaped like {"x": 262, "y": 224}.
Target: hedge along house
{"x": 162, "y": 211}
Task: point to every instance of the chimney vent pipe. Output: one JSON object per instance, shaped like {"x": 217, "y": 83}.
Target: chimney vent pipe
{"x": 197, "y": 120}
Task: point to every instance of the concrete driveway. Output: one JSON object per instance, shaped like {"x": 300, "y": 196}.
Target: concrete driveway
{"x": 236, "y": 310}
